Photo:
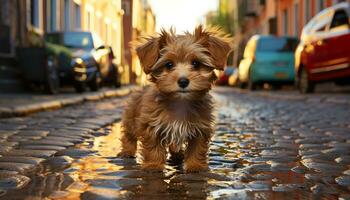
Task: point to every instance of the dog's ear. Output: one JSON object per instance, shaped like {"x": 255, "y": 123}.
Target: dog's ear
{"x": 148, "y": 49}
{"x": 217, "y": 42}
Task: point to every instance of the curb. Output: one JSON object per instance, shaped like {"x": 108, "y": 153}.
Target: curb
{"x": 22, "y": 110}
{"x": 307, "y": 99}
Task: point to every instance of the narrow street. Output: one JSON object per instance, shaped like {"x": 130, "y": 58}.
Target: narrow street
{"x": 265, "y": 147}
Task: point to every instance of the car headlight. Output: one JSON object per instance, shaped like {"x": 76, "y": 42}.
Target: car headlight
{"x": 79, "y": 61}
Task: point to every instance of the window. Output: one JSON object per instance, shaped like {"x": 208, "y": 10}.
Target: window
{"x": 340, "y": 20}
{"x": 67, "y": 15}
{"x": 296, "y": 19}
{"x": 52, "y": 15}
{"x": 307, "y": 14}
{"x": 36, "y": 13}
{"x": 77, "y": 16}
{"x": 273, "y": 25}
{"x": 320, "y": 5}
{"x": 6, "y": 47}
{"x": 285, "y": 22}
{"x": 5, "y": 12}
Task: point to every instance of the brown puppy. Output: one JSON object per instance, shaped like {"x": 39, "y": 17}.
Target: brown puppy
{"x": 175, "y": 111}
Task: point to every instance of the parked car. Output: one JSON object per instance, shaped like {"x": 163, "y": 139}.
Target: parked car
{"x": 224, "y": 76}
{"x": 91, "y": 64}
{"x": 233, "y": 78}
{"x": 39, "y": 65}
{"x": 324, "y": 50}
{"x": 267, "y": 59}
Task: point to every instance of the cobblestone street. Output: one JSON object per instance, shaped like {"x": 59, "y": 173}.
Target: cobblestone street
{"x": 265, "y": 147}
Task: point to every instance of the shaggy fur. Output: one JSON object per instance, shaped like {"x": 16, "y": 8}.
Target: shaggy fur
{"x": 165, "y": 116}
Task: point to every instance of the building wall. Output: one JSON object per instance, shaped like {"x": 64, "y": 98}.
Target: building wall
{"x": 27, "y": 21}
{"x": 297, "y": 18}
{"x": 105, "y": 18}
{"x": 127, "y": 22}
{"x": 139, "y": 20}
{"x": 8, "y": 15}
{"x": 276, "y": 17}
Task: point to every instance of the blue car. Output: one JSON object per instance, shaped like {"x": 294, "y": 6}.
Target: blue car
{"x": 267, "y": 59}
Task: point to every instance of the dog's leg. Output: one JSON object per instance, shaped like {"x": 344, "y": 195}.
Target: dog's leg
{"x": 196, "y": 154}
{"x": 154, "y": 155}
{"x": 176, "y": 156}
{"x": 129, "y": 145}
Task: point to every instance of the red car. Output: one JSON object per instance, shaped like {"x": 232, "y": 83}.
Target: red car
{"x": 323, "y": 53}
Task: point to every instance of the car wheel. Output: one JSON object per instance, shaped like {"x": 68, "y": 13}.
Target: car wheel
{"x": 251, "y": 84}
{"x": 276, "y": 86}
{"x": 241, "y": 85}
{"x": 94, "y": 84}
{"x": 304, "y": 84}
{"x": 79, "y": 87}
{"x": 52, "y": 80}
{"x": 116, "y": 78}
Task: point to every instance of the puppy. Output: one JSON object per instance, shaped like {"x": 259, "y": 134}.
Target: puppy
{"x": 176, "y": 110}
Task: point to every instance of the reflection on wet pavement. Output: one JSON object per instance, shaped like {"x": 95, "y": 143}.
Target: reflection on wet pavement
{"x": 262, "y": 149}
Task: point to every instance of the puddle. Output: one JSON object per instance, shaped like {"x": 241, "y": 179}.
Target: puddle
{"x": 237, "y": 172}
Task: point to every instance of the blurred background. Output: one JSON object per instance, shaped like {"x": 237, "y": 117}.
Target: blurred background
{"x": 84, "y": 44}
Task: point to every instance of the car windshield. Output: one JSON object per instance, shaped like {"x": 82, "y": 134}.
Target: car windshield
{"x": 79, "y": 40}
{"x": 277, "y": 44}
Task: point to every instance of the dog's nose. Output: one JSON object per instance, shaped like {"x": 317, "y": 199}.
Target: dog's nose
{"x": 183, "y": 82}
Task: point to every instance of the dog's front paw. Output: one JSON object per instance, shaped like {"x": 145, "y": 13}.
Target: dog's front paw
{"x": 153, "y": 167}
{"x": 193, "y": 168}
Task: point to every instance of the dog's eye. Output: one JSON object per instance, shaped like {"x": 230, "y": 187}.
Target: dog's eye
{"x": 169, "y": 65}
{"x": 196, "y": 64}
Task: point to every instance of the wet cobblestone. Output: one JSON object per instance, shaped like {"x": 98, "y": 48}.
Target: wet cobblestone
{"x": 264, "y": 148}
{"x": 33, "y": 148}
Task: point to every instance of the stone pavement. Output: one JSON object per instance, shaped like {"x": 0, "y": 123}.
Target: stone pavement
{"x": 325, "y": 93}
{"x": 19, "y": 104}
{"x": 264, "y": 148}
{"x": 26, "y": 143}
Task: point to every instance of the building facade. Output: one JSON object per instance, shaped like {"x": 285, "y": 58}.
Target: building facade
{"x": 139, "y": 20}
{"x": 118, "y": 22}
{"x": 105, "y": 18}
{"x": 294, "y": 14}
{"x": 268, "y": 17}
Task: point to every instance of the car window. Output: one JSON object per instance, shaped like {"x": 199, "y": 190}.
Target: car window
{"x": 97, "y": 40}
{"x": 322, "y": 29}
{"x": 321, "y": 22}
{"x": 340, "y": 20}
{"x": 318, "y": 21}
{"x": 277, "y": 44}
{"x": 78, "y": 40}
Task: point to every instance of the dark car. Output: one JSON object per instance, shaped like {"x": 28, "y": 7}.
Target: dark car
{"x": 324, "y": 50}
{"x": 39, "y": 65}
{"x": 91, "y": 64}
